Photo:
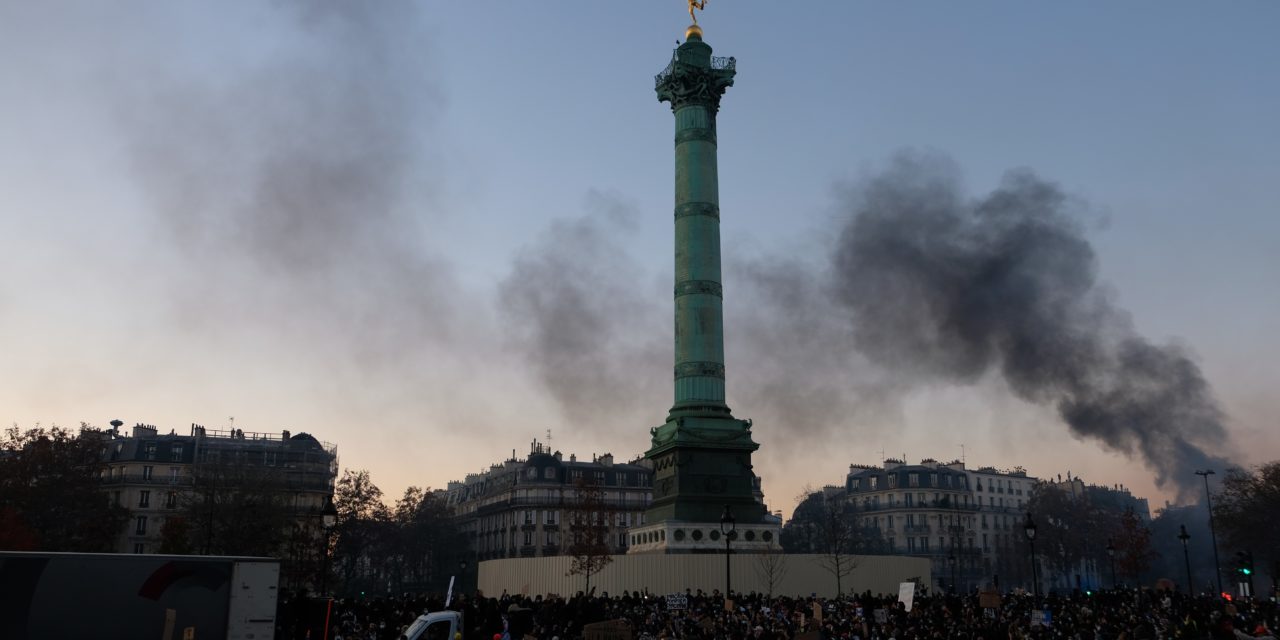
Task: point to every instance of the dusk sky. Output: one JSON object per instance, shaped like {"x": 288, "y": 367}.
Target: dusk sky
{"x": 432, "y": 232}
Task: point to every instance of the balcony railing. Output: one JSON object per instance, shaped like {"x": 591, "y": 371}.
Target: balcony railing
{"x": 717, "y": 63}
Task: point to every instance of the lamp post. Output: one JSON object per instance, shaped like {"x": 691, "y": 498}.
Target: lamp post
{"x": 951, "y": 560}
{"x": 1213, "y": 537}
{"x": 1111, "y": 554}
{"x": 1186, "y": 557}
{"x": 727, "y": 527}
{"x": 1029, "y": 527}
{"x": 328, "y": 519}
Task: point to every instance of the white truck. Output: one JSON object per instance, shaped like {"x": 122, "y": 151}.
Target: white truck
{"x": 437, "y": 625}
{"x": 110, "y": 595}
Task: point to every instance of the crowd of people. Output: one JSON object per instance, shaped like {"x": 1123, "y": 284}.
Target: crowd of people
{"x": 1104, "y": 615}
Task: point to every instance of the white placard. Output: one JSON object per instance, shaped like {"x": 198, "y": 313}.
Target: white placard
{"x": 907, "y": 594}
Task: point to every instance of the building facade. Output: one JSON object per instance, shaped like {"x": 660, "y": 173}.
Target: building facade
{"x": 154, "y": 475}
{"x": 522, "y": 508}
{"x": 963, "y": 520}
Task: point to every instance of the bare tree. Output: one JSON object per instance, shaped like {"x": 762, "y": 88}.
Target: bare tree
{"x": 234, "y": 507}
{"x": 838, "y": 533}
{"x": 771, "y": 566}
{"x": 589, "y": 517}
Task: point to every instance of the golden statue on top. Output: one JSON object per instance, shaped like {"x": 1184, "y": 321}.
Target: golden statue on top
{"x": 701, "y": 5}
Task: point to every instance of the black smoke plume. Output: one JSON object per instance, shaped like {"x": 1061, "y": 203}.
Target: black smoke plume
{"x": 942, "y": 286}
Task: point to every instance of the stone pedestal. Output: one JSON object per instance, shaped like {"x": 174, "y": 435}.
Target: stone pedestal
{"x": 674, "y": 536}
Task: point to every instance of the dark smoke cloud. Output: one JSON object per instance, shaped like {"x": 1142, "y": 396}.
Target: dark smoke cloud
{"x": 285, "y": 183}
{"x": 590, "y": 322}
{"x": 945, "y": 287}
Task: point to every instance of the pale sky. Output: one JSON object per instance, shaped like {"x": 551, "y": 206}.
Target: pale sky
{"x": 432, "y": 232}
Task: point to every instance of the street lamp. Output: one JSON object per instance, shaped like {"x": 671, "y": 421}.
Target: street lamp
{"x": 1111, "y": 553}
{"x": 951, "y": 560}
{"x": 1029, "y": 527}
{"x": 462, "y": 575}
{"x": 1185, "y": 537}
{"x": 727, "y": 527}
{"x": 1213, "y": 537}
{"x": 328, "y": 520}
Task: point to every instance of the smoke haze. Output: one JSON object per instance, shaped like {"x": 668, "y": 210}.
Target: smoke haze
{"x": 288, "y": 182}
{"x": 586, "y": 317}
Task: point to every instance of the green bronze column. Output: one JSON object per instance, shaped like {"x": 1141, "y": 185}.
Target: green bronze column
{"x": 693, "y": 83}
{"x": 702, "y": 454}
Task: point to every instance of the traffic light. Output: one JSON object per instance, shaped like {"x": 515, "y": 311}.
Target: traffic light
{"x": 1244, "y": 562}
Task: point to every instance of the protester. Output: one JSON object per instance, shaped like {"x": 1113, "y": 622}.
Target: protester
{"x": 1104, "y": 615}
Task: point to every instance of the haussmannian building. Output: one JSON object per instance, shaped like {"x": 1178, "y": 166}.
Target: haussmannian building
{"x": 518, "y": 509}
{"x": 961, "y": 519}
{"x": 152, "y": 473}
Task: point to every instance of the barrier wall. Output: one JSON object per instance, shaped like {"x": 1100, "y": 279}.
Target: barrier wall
{"x": 792, "y": 575}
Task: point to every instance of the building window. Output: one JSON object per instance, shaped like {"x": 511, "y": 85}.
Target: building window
{"x": 139, "y": 547}
{"x": 174, "y": 472}
{"x": 924, "y": 544}
{"x": 856, "y": 483}
{"x": 528, "y": 538}
{"x": 144, "y": 499}
{"x": 907, "y": 499}
{"x": 893, "y": 480}
{"x": 146, "y": 472}
{"x": 913, "y": 479}
{"x": 171, "y": 500}
{"x": 873, "y": 482}
{"x": 176, "y": 452}
{"x": 549, "y": 473}
{"x": 933, "y": 479}
{"x": 115, "y": 498}
{"x": 150, "y": 450}
{"x": 140, "y": 525}
{"x": 528, "y": 519}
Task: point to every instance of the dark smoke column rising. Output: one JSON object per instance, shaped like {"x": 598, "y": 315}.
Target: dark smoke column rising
{"x": 944, "y": 287}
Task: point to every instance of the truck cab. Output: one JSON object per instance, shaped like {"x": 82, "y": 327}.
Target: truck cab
{"x": 437, "y": 625}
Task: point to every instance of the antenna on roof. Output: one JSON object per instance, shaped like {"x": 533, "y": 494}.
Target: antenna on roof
{"x": 548, "y": 438}
{"x": 962, "y": 454}
{"x": 881, "y": 455}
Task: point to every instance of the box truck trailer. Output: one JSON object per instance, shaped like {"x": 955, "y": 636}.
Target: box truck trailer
{"x": 149, "y": 597}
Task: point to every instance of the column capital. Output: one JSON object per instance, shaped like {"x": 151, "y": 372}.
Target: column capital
{"x": 694, "y": 77}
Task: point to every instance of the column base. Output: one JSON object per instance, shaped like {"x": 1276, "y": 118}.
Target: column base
{"x": 675, "y": 536}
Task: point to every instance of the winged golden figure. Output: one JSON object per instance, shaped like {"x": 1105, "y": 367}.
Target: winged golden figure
{"x": 701, "y": 5}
